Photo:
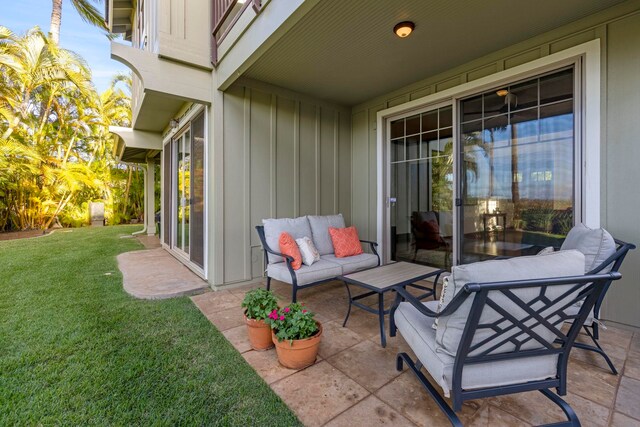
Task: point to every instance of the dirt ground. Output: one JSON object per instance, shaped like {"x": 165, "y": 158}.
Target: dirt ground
{"x": 12, "y": 235}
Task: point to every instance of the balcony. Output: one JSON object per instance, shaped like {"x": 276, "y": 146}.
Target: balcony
{"x": 118, "y": 17}
{"x": 161, "y": 86}
{"x": 169, "y": 56}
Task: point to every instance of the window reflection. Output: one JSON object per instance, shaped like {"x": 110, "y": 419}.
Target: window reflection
{"x": 517, "y": 164}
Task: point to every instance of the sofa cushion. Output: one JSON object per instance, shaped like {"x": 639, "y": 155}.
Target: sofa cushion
{"x": 596, "y": 244}
{"x": 289, "y": 247}
{"x": 345, "y": 241}
{"x": 320, "y": 228}
{"x": 353, "y": 263}
{"x": 418, "y": 332}
{"x": 320, "y": 270}
{"x": 273, "y": 227}
{"x": 557, "y": 264}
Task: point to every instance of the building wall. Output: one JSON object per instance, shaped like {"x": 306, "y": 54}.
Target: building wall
{"x": 183, "y": 31}
{"x": 618, "y": 29}
{"x": 285, "y": 155}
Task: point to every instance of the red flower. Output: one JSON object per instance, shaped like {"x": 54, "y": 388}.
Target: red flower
{"x": 304, "y": 311}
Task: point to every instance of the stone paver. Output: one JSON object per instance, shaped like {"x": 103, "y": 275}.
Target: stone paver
{"x": 355, "y": 383}
{"x": 155, "y": 274}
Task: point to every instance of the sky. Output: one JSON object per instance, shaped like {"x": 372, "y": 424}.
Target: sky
{"x": 76, "y": 35}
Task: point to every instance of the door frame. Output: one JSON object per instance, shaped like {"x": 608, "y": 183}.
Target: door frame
{"x": 585, "y": 57}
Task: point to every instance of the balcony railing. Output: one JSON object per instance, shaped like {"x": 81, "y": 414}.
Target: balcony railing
{"x": 225, "y": 13}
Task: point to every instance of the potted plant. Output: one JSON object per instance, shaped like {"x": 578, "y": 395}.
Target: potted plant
{"x": 296, "y": 335}
{"x": 258, "y": 304}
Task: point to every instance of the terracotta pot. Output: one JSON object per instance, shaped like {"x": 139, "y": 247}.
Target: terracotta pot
{"x": 299, "y": 353}
{"x": 259, "y": 334}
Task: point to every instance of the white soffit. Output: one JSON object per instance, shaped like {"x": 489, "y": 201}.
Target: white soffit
{"x": 346, "y": 52}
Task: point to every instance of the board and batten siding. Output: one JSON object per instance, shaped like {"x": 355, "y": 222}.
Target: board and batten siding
{"x": 618, "y": 29}
{"x": 285, "y": 155}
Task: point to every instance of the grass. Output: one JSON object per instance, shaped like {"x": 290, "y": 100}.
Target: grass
{"x": 75, "y": 349}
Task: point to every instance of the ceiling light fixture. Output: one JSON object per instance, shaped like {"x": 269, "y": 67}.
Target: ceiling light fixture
{"x": 502, "y": 92}
{"x": 403, "y": 29}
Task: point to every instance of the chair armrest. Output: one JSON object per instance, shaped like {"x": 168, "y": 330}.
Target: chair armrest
{"x": 373, "y": 246}
{"x": 272, "y": 252}
{"x": 403, "y": 294}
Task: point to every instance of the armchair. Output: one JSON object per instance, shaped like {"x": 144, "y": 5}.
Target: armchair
{"x": 504, "y": 336}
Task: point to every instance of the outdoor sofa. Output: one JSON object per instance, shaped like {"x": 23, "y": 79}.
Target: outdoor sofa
{"x": 279, "y": 266}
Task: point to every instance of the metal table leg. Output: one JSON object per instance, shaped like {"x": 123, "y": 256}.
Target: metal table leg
{"x": 383, "y": 338}
{"x": 350, "y": 303}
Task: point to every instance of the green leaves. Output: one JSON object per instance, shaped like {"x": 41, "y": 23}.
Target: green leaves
{"x": 55, "y": 145}
{"x": 293, "y": 322}
{"x": 258, "y": 303}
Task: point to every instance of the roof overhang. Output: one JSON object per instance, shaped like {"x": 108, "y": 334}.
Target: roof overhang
{"x": 135, "y": 146}
{"x": 166, "y": 86}
{"x": 346, "y": 51}
{"x": 119, "y": 17}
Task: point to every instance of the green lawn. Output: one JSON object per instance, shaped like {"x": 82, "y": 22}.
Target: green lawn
{"x": 75, "y": 349}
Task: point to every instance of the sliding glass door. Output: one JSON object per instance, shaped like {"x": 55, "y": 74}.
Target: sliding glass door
{"x": 184, "y": 191}
{"x": 513, "y": 188}
{"x": 517, "y": 167}
{"x": 421, "y": 190}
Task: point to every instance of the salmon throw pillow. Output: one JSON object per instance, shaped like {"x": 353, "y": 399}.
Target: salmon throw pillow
{"x": 288, "y": 246}
{"x": 345, "y": 241}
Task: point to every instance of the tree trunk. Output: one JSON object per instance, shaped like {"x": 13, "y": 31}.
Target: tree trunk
{"x": 56, "y": 19}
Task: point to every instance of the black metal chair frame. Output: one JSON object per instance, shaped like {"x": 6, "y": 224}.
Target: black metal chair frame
{"x": 590, "y": 287}
{"x": 294, "y": 280}
{"x": 622, "y": 248}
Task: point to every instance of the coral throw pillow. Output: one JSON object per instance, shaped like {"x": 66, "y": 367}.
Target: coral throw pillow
{"x": 288, "y": 246}
{"x": 345, "y": 241}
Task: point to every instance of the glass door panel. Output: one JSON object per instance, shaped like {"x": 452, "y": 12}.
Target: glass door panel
{"x": 421, "y": 190}
{"x": 517, "y": 168}
{"x": 182, "y": 149}
{"x": 197, "y": 218}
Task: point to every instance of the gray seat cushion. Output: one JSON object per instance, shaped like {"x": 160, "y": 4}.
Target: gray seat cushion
{"x": 575, "y": 308}
{"x": 320, "y": 270}
{"x": 273, "y": 227}
{"x": 556, "y": 264}
{"x": 596, "y": 244}
{"x": 320, "y": 229}
{"x": 354, "y": 263}
{"x": 417, "y": 330}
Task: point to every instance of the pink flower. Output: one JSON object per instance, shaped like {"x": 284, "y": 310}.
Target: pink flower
{"x": 304, "y": 311}
{"x": 281, "y": 317}
{"x": 273, "y": 314}
{"x": 286, "y": 309}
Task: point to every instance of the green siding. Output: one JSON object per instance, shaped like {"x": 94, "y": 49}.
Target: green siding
{"x": 619, "y": 31}
{"x": 285, "y": 155}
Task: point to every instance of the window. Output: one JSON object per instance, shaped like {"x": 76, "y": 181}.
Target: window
{"x": 517, "y": 156}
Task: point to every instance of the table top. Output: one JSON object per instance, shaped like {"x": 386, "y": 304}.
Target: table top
{"x": 385, "y": 277}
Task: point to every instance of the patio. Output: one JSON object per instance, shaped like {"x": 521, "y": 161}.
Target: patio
{"x": 354, "y": 381}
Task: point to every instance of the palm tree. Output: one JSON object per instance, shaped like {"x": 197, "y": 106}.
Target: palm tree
{"x": 85, "y": 9}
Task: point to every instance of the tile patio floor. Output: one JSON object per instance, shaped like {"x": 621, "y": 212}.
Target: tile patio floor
{"x": 354, "y": 381}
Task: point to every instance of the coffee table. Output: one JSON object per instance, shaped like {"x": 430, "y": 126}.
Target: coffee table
{"x": 379, "y": 280}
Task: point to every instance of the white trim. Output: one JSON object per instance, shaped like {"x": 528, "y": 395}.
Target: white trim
{"x": 587, "y": 54}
